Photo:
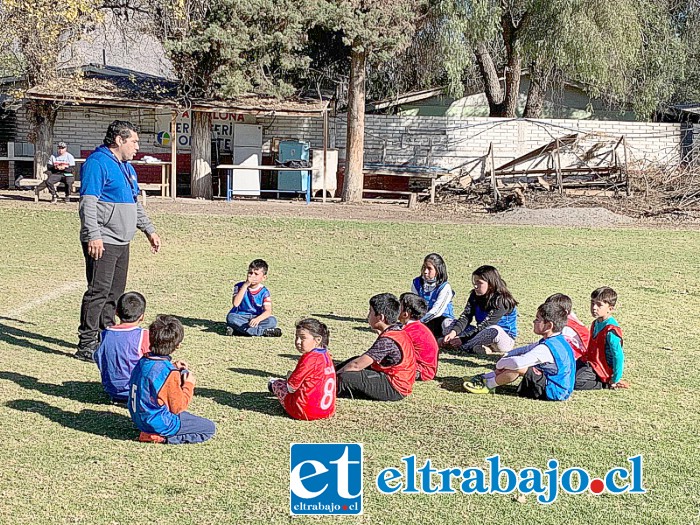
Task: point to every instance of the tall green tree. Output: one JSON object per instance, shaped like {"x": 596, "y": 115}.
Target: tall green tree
{"x": 609, "y": 46}
{"x": 224, "y": 48}
{"x": 34, "y": 36}
{"x": 375, "y": 30}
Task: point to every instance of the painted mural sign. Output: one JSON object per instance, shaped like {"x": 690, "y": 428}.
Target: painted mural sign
{"x": 222, "y": 128}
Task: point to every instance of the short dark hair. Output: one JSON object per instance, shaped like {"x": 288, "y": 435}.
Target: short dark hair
{"x": 118, "y": 128}
{"x": 562, "y": 300}
{"x": 604, "y": 294}
{"x": 165, "y": 334}
{"x": 131, "y": 306}
{"x": 259, "y": 264}
{"x": 414, "y": 305}
{"x": 315, "y": 328}
{"x": 553, "y": 313}
{"x": 386, "y": 304}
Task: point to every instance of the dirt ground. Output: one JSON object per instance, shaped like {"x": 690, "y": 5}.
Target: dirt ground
{"x": 571, "y": 215}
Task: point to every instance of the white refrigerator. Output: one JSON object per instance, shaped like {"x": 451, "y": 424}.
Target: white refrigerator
{"x": 247, "y": 150}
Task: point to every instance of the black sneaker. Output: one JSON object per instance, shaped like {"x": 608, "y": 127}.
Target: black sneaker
{"x": 272, "y": 332}
{"x": 54, "y": 200}
{"x": 84, "y": 354}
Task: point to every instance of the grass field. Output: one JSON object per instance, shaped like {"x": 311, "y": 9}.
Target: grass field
{"x": 68, "y": 456}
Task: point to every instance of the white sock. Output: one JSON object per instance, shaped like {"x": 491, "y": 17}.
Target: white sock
{"x": 490, "y": 380}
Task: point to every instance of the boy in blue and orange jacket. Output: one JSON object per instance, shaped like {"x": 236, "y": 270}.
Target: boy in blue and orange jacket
{"x": 160, "y": 390}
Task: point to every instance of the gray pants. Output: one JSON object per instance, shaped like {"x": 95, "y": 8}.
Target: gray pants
{"x": 54, "y": 178}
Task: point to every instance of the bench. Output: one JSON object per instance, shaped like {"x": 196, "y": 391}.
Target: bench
{"x": 38, "y": 185}
{"x": 429, "y": 177}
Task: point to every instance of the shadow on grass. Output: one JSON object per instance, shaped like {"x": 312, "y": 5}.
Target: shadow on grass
{"x": 451, "y": 384}
{"x": 334, "y": 317}
{"x": 81, "y": 391}
{"x": 290, "y": 356}
{"x": 364, "y": 329}
{"x": 460, "y": 362}
{"x": 250, "y": 372}
{"x": 262, "y": 402}
{"x": 25, "y": 339}
{"x": 204, "y": 325}
{"x": 108, "y": 424}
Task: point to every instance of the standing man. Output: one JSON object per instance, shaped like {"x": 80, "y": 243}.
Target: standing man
{"x": 109, "y": 216}
{"x": 60, "y": 168}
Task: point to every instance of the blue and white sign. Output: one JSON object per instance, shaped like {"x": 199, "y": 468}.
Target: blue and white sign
{"x": 325, "y": 478}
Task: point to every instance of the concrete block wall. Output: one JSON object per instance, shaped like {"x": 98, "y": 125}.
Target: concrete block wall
{"x": 446, "y": 142}
{"x": 463, "y": 142}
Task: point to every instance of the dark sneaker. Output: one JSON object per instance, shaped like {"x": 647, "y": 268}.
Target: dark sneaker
{"x": 229, "y": 331}
{"x": 84, "y": 354}
{"x": 272, "y": 332}
{"x": 54, "y": 200}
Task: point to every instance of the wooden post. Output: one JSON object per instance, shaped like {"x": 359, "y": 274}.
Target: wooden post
{"x": 628, "y": 188}
{"x": 173, "y": 155}
{"x": 557, "y": 163}
{"x": 492, "y": 168}
{"x": 325, "y": 152}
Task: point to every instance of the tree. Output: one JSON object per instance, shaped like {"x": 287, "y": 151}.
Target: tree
{"x": 375, "y": 30}
{"x": 605, "y": 45}
{"x": 224, "y": 48}
{"x": 35, "y": 35}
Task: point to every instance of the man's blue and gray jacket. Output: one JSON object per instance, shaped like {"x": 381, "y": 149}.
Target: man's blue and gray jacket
{"x": 109, "y": 209}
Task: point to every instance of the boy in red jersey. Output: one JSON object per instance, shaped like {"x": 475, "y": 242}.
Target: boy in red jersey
{"x": 604, "y": 361}
{"x": 413, "y": 308}
{"x": 387, "y": 371}
{"x": 309, "y": 393}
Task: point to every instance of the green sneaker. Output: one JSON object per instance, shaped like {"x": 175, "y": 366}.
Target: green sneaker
{"x": 476, "y": 385}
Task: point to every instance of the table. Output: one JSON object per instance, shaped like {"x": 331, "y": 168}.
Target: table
{"x": 165, "y": 168}
{"x": 229, "y": 178}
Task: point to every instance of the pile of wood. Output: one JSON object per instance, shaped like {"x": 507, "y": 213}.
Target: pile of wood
{"x": 571, "y": 165}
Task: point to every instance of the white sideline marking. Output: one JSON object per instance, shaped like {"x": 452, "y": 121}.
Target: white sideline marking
{"x": 46, "y": 298}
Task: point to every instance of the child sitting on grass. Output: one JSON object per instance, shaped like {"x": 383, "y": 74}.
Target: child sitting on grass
{"x": 387, "y": 371}
{"x": 547, "y": 367}
{"x": 252, "y": 306}
{"x": 122, "y": 346}
{"x": 425, "y": 346}
{"x": 494, "y": 311}
{"x": 160, "y": 390}
{"x": 603, "y": 363}
{"x": 309, "y": 393}
{"x": 432, "y": 286}
{"x": 575, "y": 332}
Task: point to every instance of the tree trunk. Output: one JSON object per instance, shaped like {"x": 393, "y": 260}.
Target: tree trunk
{"x": 539, "y": 82}
{"x": 492, "y": 85}
{"x": 513, "y": 65}
{"x": 42, "y": 116}
{"x": 200, "y": 164}
{"x": 355, "y": 147}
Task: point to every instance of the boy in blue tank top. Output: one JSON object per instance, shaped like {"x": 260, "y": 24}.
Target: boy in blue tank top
{"x": 122, "y": 346}
{"x": 161, "y": 389}
{"x": 547, "y": 368}
{"x": 251, "y": 314}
